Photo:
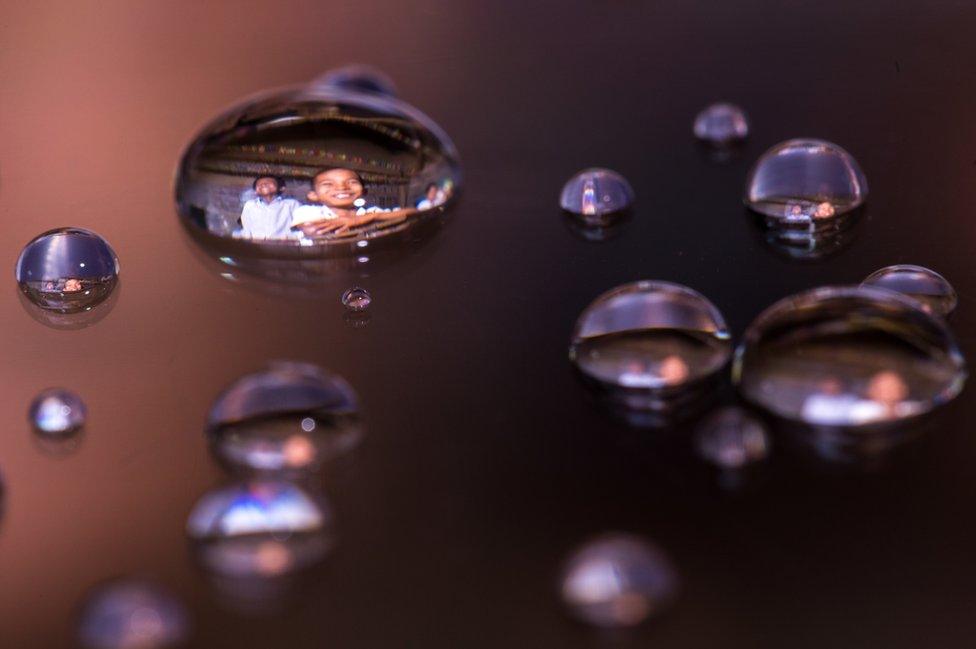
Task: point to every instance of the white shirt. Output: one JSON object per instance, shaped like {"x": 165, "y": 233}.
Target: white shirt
{"x": 261, "y": 220}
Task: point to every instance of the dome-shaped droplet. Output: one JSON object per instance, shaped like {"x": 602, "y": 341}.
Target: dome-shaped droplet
{"x": 732, "y": 439}
{"x": 596, "y": 193}
{"x": 288, "y": 418}
{"x": 927, "y": 286}
{"x": 315, "y": 170}
{"x": 68, "y": 270}
{"x": 618, "y": 580}
{"x": 259, "y": 529}
{"x": 652, "y": 338}
{"x": 358, "y": 77}
{"x": 721, "y": 125}
{"x": 132, "y": 614}
{"x": 356, "y": 299}
{"x": 848, "y": 356}
{"x": 57, "y": 412}
{"x": 805, "y": 183}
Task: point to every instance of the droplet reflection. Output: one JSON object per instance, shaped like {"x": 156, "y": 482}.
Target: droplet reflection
{"x": 732, "y": 439}
{"x": 595, "y": 194}
{"x": 927, "y": 286}
{"x": 57, "y": 412}
{"x": 358, "y": 77}
{"x": 356, "y": 299}
{"x": 132, "y": 614}
{"x": 721, "y": 125}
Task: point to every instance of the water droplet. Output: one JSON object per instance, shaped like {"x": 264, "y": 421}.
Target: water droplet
{"x": 358, "y": 77}
{"x": 732, "y": 439}
{"x": 805, "y": 184}
{"x": 262, "y": 529}
{"x": 356, "y": 299}
{"x": 651, "y": 340}
{"x": 596, "y": 193}
{"x": 68, "y": 270}
{"x": 927, "y": 286}
{"x": 312, "y": 171}
{"x": 618, "y": 580}
{"x": 57, "y": 412}
{"x": 848, "y": 357}
{"x": 132, "y": 614}
{"x": 721, "y": 125}
{"x": 289, "y": 418}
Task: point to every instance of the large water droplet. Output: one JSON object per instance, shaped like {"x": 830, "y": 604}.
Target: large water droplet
{"x": 596, "y": 193}
{"x": 847, "y": 357}
{"x": 356, "y": 299}
{"x": 805, "y": 184}
{"x": 68, "y": 270}
{"x": 315, "y": 170}
{"x": 358, "y": 77}
{"x": 732, "y": 439}
{"x": 927, "y": 286}
{"x": 618, "y": 580}
{"x": 650, "y": 340}
{"x": 132, "y": 614}
{"x": 288, "y": 418}
{"x": 721, "y": 125}
{"x": 57, "y": 412}
{"x": 260, "y": 529}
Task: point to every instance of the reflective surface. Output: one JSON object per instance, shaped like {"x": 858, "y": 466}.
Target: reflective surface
{"x": 57, "y": 412}
{"x": 721, "y": 124}
{"x": 848, "y": 357}
{"x": 356, "y": 299}
{"x": 595, "y": 194}
{"x": 132, "y": 614}
{"x": 927, "y": 286}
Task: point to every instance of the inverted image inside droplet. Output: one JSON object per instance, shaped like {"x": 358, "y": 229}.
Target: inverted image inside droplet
{"x": 314, "y": 171}
{"x": 927, "y": 286}
{"x": 132, "y": 614}
{"x": 68, "y": 270}
{"x": 732, "y": 439}
{"x": 618, "y": 580}
{"x": 805, "y": 184}
{"x": 289, "y": 418}
{"x": 358, "y": 77}
{"x": 596, "y": 193}
{"x": 57, "y": 412}
{"x": 721, "y": 125}
{"x": 848, "y": 357}
{"x": 650, "y": 341}
{"x": 356, "y": 299}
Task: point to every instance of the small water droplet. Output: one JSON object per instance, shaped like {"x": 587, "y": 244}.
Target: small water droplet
{"x": 652, "y": 340}
{"x": 289, "y": 418}
{"x": 57, "y": 412}
{"x": 132, "y": 614}
{"x": 596, "y": 193}
{"x": 732, "y": 439}
{"x": 356, "y": 299}
{"x": 848, "y": 357}
{"x": 358, "y": 77}
{"x": 618, "y": 580}
{"x": 927, "y": 286}
{"x": 805, "y": 184}
{"x": 721, "y": 125}
{"x": 68, "y": 270}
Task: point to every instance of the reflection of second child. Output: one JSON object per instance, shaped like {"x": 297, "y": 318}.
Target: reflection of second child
{"x": 268, "y": 216}
{"x": 339, "y": 193}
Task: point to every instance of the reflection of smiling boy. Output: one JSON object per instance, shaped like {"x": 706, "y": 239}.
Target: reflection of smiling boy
{"x": 338, "y": 193}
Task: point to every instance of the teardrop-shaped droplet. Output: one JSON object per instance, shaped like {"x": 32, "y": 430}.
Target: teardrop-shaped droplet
{"x": 805, "y": 184}
{"x": 618, "y": 580}
{"x": 732, "y": 439}
{"x": 358, "y": 77}
{"x": 68, "y": 270}
{"x": 356, "y": 299}
{"x": 721, "y": 125}
{"x": 57, "y": 412}
{"x": 596, "y": 193}
{"x": 848, "y": 357}
{"x": 289, "y": 418}
{"x": 315, "y": 170}
{"x": 927, "y": 286}
{"x": 650, "y": 339}
{"x": 132, "y": 614}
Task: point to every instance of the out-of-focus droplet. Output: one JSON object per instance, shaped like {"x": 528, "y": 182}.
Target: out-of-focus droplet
{"x": 651, "y": 340}
{"x": 356, "y": 299}
{"x": 358, "y": 77}
{"x": 721, "y": 125}
{"x": 68, "y": 270}
{"x": 732, "y": 439}
{"x": 596, "y": 193}
{"x": 289, "y": 418}
{"x": 927, "y": 286}
{"x": 848, "y": 357}
{"x": 57, "y": 412}
{"x": 132, "y": 614}
{"x": 805, "y": 184}
{"x": 618, "y": 580}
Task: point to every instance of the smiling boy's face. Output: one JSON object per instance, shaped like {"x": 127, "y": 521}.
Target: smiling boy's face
{"x": 336, "y": 188}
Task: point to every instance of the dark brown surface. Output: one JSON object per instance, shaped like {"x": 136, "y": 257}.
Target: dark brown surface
{"x": 484, "y": 463}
